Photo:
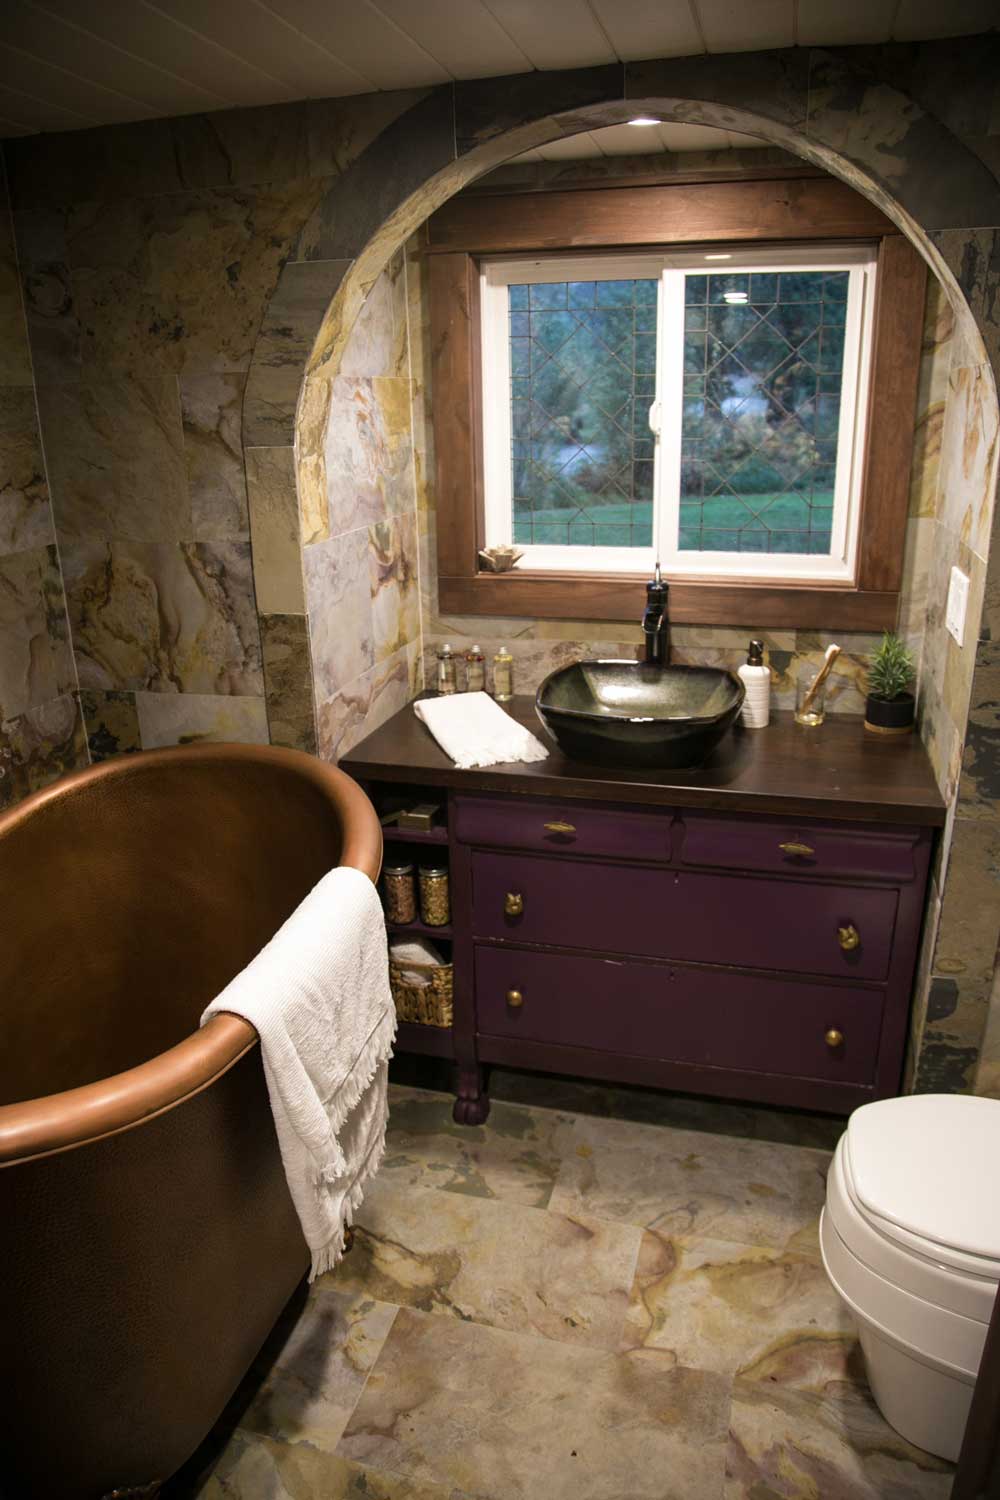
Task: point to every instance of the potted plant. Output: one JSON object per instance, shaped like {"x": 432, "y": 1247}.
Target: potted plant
{"x": 890, "y": 706}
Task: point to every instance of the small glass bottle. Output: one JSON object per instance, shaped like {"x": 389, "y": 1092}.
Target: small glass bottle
{"x": 447, "y": 675}
{"x": 400, "y": 894}
{"x": 503, "y": 675}
{"x": 435, "y": 906}
{"x": 475, "y": 671}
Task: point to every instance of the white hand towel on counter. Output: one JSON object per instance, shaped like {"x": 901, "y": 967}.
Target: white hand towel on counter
{"x": 319, "y": 998}
{"x": 475, "y": 731}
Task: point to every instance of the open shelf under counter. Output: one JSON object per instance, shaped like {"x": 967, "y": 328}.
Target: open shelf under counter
{"x": 433, "y": 1041}
{"x": 419, "y": 929}
{"x": 390, "y": 832}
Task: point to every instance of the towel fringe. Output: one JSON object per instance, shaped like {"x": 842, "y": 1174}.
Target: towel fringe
{"x": 329, "y": 1256}
{"x": 376, "y": 1051}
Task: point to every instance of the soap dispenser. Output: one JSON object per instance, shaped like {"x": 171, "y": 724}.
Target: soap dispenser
{"x": 756, "y": 678}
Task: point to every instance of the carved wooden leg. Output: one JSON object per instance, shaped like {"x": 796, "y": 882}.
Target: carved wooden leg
{"x": 472, "y": 1106}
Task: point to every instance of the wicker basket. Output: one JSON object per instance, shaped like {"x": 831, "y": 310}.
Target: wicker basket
{"x": 427, "y": 1004}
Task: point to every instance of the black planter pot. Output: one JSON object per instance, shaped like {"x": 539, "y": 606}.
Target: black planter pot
{"x": 890, "y": 715}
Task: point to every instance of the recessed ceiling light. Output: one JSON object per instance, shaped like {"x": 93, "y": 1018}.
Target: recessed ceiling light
{"x": 644, "y": 120}
{"x": 734, "y": 296}
{"x": 720, "y": 256}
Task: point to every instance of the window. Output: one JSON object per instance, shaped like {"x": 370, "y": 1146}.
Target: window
{"x": 703, "y": 407}
{"x": 776, "y": 487}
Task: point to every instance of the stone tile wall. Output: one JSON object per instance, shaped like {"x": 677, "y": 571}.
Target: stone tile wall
{"x": 41, "y": 733}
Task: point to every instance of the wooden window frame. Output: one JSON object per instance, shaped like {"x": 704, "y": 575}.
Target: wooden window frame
{"x": 756, "y": 211}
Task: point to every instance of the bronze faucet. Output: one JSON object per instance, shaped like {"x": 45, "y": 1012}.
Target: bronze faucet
{"x": 655, "y": 625}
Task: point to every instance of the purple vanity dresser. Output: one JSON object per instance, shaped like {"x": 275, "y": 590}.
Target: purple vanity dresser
{"x": 748, "y": 930}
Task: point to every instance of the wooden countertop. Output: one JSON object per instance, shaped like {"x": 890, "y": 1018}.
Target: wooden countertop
{"x": 836, "y": 771}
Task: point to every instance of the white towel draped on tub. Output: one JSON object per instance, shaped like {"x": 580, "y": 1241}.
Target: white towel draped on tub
{"x": 319, "y": 998}
{"x": 475, "y": 731}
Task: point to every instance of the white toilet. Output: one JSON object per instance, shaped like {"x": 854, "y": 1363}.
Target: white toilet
{"x": 911, "y": 1241}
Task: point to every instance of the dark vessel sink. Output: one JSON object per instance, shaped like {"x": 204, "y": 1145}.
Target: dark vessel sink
{"x": 629, "y": 713}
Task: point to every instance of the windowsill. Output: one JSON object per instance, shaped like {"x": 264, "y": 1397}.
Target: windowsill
{"x": 760, "y": 604}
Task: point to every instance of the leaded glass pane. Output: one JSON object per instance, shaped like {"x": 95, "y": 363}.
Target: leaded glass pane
{"x": 762, "y": 391}
{"x": 583, "y": 377}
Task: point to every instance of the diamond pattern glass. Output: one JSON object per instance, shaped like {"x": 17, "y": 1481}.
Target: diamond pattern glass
{"x": 583, "y": 377}
{"x": 763, "y": 369}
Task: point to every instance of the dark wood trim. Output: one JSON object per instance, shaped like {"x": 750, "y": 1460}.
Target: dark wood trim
{"x": 898, "y": 334}
{"x": 586, "y": 596}
{"x": 805, "y": 208}
{"x": 487, "y": 187}
{"x": 516, "y": 223}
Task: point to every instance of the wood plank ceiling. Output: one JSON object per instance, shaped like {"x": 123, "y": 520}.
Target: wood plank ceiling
{"x": 69, "y": 64}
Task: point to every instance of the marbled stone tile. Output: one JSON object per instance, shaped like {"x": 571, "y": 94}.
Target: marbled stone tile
{"x": 278, "y": 142}
{"x": 987, "y": 1080}
{"x": 339, "y": 605}
{"x": 112, "y": 723}
{"x": 967, "y": 474}
{"x": 48, "y": 295}
{"x": 211, "y": 413}
{"x": 40, "y": 745}
{"x": 370, "y": 348}
{"x": 979, "y": 787}
{"x": 973, "y": 257}
{"x": 164, "y": 618}
{"x": 193, "y": 718}
{"x": 945, "y": 664}
{"x": 15, "y": 357}
{"x": 936, "y": 352}
{"x": 296, "y": 310}
{"x": 970, "y": 916}
{"x": 269, "y": 405}
{"x": 307, "y": 1393}
{"x": 496, "y": 1414}
{"x": 647, "y": 1106}
{"x": 115, "y": 455}
{"x": 274, "y": 530}
{"x": 789, "y": 1445}
{"x": 50, "y": 170}
{"x": 918, "y": 557}
{"x": 36, "y": 664}
{"x": 560, "y": 1277}
{"x": 772, "y": 86}
{"x": 886, "y": 135}
{"x": 360, "y": 707}
{"x": 739, "y": 1309}
{"x": 680, "y": 1182}
{"x": 25, "y": 512}
{"x": 368, "y": 451}
{"x": 254, "y": 1467}
{"x": 407, "y": 150}
{"x": 180, "y": 283}
{"x": 490, "y": 107}
{"x": 392, "y": 557}
{"x": 288, "y": 681}
{"x": 512, "y": 1157}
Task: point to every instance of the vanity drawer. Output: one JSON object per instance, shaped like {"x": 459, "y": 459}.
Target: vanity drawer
{"x": 564, "y": 828}
{"x": 797, "y": 849}
{"x": 697, "y": 918}
{"x": 746, "y": 1022}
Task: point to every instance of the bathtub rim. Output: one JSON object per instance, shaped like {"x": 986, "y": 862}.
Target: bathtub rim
{"x": 51, "y": 1123}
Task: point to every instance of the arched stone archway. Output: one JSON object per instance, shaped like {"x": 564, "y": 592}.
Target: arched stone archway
{"x": 906, "y": 150}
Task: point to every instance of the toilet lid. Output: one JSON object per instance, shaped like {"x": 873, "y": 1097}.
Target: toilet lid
{"x": 928, "y": 1165}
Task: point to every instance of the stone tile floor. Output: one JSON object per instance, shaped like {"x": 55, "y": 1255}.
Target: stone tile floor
{"x": 611, "y": 1295}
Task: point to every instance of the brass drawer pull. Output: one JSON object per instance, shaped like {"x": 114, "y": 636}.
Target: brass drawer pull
{"x": 798, "y": 849}
{"x": 513, "y": 904}
{"x": 560, "y": 828}
{"x": 849, "y": 937}
{"x": 834, "y": 1038}
{"x": 515, "y": 999}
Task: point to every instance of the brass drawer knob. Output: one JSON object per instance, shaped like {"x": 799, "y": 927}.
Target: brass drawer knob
{"x": 515, "y": 999}
{"x": 513, "y": 904}
{"x": 849, "y": 937}
{"x": 560, "y": 828}
{"x": 800, "y": 850}
{"x": 834, "y": 1038}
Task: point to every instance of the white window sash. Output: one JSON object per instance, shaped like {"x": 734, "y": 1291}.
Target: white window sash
{"x": 496, "y": 276}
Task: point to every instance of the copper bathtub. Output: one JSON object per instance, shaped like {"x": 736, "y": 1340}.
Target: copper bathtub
{"x": 147, "y": 1239}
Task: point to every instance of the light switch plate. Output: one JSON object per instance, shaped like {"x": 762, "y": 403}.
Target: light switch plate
{"x": 958, "y": 599}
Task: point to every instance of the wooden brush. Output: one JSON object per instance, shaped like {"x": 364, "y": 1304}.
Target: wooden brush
{"x": 832, "y": 652}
